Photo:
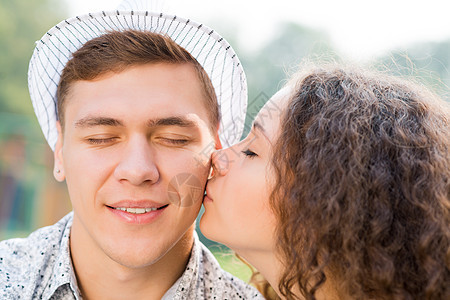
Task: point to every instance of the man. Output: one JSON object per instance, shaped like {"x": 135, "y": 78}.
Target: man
{"x": 137, "y": 97}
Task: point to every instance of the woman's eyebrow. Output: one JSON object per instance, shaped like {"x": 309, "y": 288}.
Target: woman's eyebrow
{"x": 257, "y": 125}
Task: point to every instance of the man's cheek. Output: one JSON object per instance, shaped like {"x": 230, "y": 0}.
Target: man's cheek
{"x": 185, "y": 189}
{"x": 202, "y": 156}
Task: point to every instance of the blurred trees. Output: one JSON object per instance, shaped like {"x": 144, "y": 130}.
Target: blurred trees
{"x": 282, "y": 54}
{"x": 22, "y": 22}
{"x": 427, "y": 63}
{"x": 268, "y": 68}
{"x": 24, "y": 155}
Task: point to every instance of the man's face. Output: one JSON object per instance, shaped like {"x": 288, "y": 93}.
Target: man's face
{"x": 130, "y": 141}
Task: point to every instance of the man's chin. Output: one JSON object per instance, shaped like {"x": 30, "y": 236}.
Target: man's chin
{"x": 134, "y": 261}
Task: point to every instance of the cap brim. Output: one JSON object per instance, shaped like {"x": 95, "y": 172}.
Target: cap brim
{"x": 212, "y": 51}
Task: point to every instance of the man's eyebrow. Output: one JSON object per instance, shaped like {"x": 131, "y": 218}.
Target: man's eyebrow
{"x": 106, "y": 121}
{"x": 97, "y": 121}
{"x": 172, "y": 121}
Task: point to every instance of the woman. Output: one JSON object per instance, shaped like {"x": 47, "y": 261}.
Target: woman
{"x": 341, "y": 190}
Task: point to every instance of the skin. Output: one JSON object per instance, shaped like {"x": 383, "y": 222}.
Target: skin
{"x": 237, "y": 211}
{"x": 121, "y": 146}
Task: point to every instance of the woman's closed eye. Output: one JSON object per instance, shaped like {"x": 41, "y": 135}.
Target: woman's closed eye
{"x": 249, "y": 153}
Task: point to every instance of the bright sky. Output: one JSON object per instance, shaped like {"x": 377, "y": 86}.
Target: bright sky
{"x": 358, "y": 28}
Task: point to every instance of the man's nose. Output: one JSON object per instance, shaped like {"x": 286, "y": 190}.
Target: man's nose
{"x": 137, "y": 164}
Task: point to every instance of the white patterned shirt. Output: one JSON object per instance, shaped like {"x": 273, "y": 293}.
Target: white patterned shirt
{"x": 40, "y": 267}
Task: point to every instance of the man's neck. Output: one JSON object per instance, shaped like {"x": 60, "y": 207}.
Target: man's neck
{"x": 100, "y": 277}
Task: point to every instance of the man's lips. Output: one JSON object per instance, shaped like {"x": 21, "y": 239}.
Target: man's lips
{"x": 137, "y": 207}
{"x": 137, "y": 212}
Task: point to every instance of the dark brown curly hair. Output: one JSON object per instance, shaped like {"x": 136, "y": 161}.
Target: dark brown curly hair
{"x": 362, "y": 191}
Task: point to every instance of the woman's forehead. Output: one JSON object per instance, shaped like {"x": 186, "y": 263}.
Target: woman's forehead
{"x": 268, "y": 118}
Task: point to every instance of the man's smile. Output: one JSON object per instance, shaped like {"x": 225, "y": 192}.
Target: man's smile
{"x": 138, "y": 211}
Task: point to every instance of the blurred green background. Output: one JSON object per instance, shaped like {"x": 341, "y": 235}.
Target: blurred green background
{"x": 29, "y": 196}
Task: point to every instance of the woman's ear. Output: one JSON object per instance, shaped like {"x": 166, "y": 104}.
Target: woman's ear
{"x": 58, "y": 170}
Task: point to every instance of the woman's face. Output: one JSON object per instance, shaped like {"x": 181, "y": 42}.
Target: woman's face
{"x": 237, "y": 211}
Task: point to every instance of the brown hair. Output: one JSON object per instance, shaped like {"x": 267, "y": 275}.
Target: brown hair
{"x": 362, "y": 192}
{"x": 118, "y": 50}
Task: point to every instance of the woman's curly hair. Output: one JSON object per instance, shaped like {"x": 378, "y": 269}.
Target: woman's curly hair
{"x": 362, "y": 190}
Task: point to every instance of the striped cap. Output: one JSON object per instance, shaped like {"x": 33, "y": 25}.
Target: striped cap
{"x": 211, "y": 50}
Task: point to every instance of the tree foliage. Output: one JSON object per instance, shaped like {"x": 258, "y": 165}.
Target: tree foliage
{"x": 267, "y": 68}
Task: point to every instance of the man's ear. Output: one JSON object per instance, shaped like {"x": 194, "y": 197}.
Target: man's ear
{"x": 217, "y": 140}
{"x": 58, "y": 170}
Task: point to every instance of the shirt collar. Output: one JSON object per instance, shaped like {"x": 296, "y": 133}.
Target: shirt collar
{"x": 63, "y": 271}
{"x": 188, "y": 279}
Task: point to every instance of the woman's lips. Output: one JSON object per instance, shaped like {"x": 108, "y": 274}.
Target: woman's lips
{"x": 207, "y": 197}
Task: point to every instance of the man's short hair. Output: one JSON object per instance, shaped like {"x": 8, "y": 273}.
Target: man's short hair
{"x": 119, "y": 50}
